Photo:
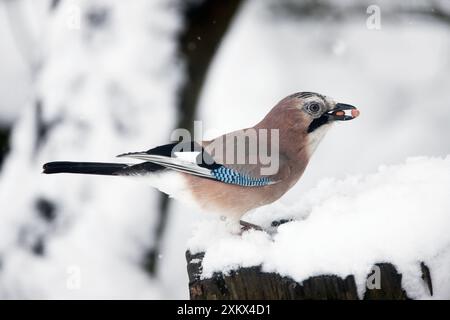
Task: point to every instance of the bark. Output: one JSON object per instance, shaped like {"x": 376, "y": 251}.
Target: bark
{"x": 5, "y": 132}
{"x": 252, "y": 283}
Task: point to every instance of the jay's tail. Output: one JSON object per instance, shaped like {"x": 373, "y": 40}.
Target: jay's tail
{"x": 101, "y": 168}
{"x": 83, "y": 167}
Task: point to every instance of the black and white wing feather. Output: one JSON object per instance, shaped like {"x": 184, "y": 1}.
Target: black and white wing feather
{"x": 165, "y": 156}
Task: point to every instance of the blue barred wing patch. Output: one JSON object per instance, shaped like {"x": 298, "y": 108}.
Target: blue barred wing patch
{"x": 231, "y": 176}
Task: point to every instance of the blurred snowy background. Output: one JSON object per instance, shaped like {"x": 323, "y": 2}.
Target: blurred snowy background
{"x": 87, "y": 80}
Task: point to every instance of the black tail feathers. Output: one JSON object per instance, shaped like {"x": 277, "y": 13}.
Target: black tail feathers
{"x": 108, "y": 169}
{"x": 84, "y": 167}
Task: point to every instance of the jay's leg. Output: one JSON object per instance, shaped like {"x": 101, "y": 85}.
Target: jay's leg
{"x": 247, "y": 226}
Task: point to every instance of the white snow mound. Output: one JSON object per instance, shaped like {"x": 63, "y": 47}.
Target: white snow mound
{"x": 400, "y": 214}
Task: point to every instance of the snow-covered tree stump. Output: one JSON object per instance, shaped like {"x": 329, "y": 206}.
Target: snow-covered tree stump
{"x": 384, "y": 236}
{"x": 252, "y": 283}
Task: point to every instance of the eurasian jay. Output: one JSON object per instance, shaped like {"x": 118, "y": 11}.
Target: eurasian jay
{"x": 227, "y": 178}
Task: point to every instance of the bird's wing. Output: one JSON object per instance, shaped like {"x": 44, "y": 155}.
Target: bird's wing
{"x": 173, "y": 156}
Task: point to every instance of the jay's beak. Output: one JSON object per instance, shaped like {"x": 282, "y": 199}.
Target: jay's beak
{"x": 343, "y": 112}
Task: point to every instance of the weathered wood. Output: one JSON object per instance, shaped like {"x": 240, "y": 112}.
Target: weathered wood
{"x": 426, "y": 276}
{"x": 253, "y": 283}
{"x": 390, "y": 286}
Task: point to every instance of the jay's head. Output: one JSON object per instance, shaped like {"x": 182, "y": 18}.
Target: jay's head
{"x": 320, "y": 111}
{"x": 310, "y": 115}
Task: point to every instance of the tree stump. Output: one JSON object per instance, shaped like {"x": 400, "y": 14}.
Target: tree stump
{"x": 254, "y": 284}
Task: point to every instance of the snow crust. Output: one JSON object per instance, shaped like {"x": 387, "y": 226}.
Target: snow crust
{"x": 400, "y": 214}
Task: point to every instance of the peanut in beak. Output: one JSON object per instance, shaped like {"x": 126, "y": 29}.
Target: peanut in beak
{"x": 354, "y": 113}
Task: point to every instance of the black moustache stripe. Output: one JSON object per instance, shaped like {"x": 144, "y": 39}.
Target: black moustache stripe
{"x": 317, "y": 123}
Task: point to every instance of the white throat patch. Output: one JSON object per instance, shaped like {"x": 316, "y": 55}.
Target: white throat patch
{"x": 316, "y": 136}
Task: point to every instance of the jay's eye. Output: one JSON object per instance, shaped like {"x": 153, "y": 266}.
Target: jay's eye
{"x": 314, "y": 109}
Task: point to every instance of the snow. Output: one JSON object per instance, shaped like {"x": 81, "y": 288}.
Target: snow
{"x": 115, "y": 88}
{"x": 13, "y": 78}
{"x": 107, "y": 89}
{"x": 400, "y": 214}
